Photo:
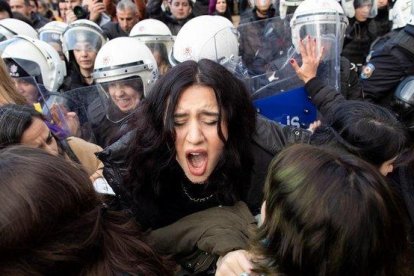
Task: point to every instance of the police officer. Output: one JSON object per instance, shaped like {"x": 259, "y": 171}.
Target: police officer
{"x": 389, "y": 66}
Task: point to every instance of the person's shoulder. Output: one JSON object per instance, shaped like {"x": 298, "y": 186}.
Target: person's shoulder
{"x": 78, "y": 143}
{"x": 109, "y": 26}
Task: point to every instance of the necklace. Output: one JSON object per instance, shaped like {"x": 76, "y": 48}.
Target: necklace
{"x": 198, "y": 200}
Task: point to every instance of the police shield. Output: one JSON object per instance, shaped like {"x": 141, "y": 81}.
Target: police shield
{"x": 266, "y": 48}
{"x": 67, "y": 113}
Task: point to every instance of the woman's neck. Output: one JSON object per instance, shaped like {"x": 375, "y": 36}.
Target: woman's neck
{"x": 86, "y": 75}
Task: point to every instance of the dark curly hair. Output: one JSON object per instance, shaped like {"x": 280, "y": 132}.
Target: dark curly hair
{"x": 152, "y": 156}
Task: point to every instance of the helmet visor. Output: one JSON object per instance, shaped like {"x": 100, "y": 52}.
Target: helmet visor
{"x": 82, "y": 39}
{"x": 405, "y": 91}
{"x": 28, "y": 88}
{"x": 121, "y": 98}
{"x": 327, "y": 36}
{"x": 5, "y": 33}
{"x": 50, "y": 36}
{"x": 365, "y": 8}
{"x": 160, "y": 51}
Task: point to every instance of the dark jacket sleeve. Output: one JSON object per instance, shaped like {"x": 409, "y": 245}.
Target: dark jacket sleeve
{"x": 350, "y": 86}
{"x": 323, "y": 96}
{"x": 115, "y": 170}
{"x": 268, "y": 140}
{"x": 215, "y": 231}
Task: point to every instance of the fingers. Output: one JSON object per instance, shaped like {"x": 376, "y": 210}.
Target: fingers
{"x": 313, "y": 126}
{"x": 234, "y": 263}
{"x": 302, "y": 49}
{"x": 70, "y": 16}
{"x": 312, "y": 46}
{"x": 295, "y": 65}
{"x": 321, "y": 53}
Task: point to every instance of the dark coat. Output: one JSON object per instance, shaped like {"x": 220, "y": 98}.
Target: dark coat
{"x": 358, "y": 38}
{"x": 154, "y": 11}
{"x": 113, "y": 30}
{"x": 38, "y": 21}
{"x": 389, "y": 66}
{"x": 196, "y": 241}
{"x": 269, "y": 139}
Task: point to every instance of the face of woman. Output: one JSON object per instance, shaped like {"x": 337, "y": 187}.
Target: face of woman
{"x": 362, "y": 12}
{"x": 180, "y": 9}
{"x": 85, "y": 55}
{"x": 39, "y": 136}
{"x": 125, "y": 97}
{"x": 221, "y": 6}
{"x": 197, "y": 142}
{"x": 27, "y": 90}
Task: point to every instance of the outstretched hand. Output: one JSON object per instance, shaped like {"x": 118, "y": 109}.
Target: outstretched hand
{"x": 310, "y": 59}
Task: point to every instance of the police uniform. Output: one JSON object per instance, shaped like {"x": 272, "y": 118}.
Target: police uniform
{"x": 388, "y": 67}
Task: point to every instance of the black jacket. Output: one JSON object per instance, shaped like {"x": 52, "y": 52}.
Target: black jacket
{"x": 112, "y": 30}
{"x": 153, "y": 10}
{"x": 38, "y": 21}
{"x": 388, "y": 66}
{"x": 269, "y": 139}
{"x": 251, "y": 15}
{"x": 358, "y": 38}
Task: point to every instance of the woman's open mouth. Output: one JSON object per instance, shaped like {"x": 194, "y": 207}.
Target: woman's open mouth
{"x": 197, "y": 162}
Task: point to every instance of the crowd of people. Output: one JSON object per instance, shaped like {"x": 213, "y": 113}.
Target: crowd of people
{"x": 132, "y": 142}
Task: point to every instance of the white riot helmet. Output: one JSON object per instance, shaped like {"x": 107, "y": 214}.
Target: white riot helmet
{"x": 150, "y": 27}
{"x": 82, "y": 33}
{"x": 123, "y": 58}
{"x": 51, "y": 33}
{"x": 28, "y": 57}
{"x": 349, "y": 7}
{"x": 401, "y": 13}
{"x": 411, "y": 19}
{"x": 323, "y": 20}
{"x": 206, "y": 36}
{"x": 286, "y": 5}
{"x": 10, "y": 27}
{"x": 158, "y": 37}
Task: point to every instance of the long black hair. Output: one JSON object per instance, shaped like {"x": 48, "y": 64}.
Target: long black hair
{"x": 369, "y": 131}
{"x": 152, "y": 154}
{"x": 16, "y": 119}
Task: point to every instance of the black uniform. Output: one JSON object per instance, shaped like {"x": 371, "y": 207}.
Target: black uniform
{"x": 388, "y": 67}
{"x": 113, "y": 30}
{"x": 358, "y": 38}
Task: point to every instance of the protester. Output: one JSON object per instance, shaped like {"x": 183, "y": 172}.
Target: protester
{"x": 190, "y": 152}
{"x": 24, "y": 125}
{"x": 127, "y": 17}
{"x": 50, "y": 210}
{"x": 326, "y": 213}
{"x": 180, "y": 13}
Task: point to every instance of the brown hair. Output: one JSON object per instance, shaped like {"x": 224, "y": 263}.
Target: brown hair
{"x": 53, "y": 223}
{"x": 330, "y": 213}
{"x": 8, "y": 92}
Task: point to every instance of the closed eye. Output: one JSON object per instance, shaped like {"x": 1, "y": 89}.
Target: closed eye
{"x": 49, "y": 138}
{"x": 211, "y": 123}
